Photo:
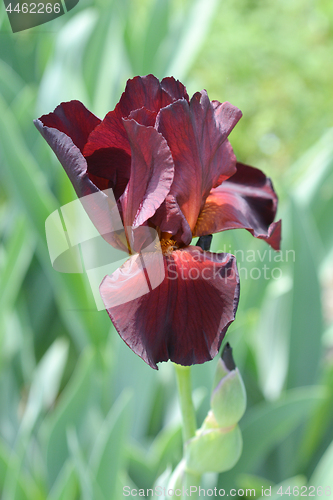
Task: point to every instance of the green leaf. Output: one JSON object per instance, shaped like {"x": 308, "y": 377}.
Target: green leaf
{"x": 156, "y": 32}
{"x": 143, "y": 385}
{"x": 62, "y": 79}
{"x": 29, "y": 186}
{"x": 267, "y": 424}
{"x": 16, "y": 484}
{"x": 24, "y": 175}
{"x": 105, "y": 63}
{"x": 314, "y": 189}
{"x": 272, "y": 337}
{"x": 306, "y": 315}
{"x": 46, "y": 381}
{"x": 10, "y": 82}
{"x": 65, "y": 487}
{"x": 107, "y": 457}
{"x": 294, "y": 482}
{"x": 323, "y": 474}
{"x": 194, "y": 28}
{"x": 80, "y": 464}
{"x": 4, "y": 462}
{"x": 70, "y": 411}
{"x": 141, "y": 465}
{"x": 318, "y": 424}
{"x": 250, "y": 482}
{"x": 19, "y": 252}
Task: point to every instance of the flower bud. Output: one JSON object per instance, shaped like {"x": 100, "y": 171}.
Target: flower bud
{"x": 214, "y": 450}
{"x": 228, "y": 400}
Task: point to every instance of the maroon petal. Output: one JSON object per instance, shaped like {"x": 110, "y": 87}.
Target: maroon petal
{"x": 174, "y": 88}
{"x": 144, "y": 116}
{"x": 102, "y": 213}
{"x": 152, "y": 171}
{"x": 112, "y": 164}
{"x": 170, "y": 219}
{"x": 141, "y": 92}
{"x": 73, "y": 119}
{"x": 148, "y": 92}
{"x": 184, "y": 318}
{"x": 197, "y": 136}
{"x": 109, "y": 134}
{"x": 246, "y": 200}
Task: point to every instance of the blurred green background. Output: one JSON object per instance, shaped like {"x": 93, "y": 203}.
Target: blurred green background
{"x": 80, "y": 414}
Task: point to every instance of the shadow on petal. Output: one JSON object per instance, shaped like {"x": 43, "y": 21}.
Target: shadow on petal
{"x": 185, "y": 318}
{"x": 247, "y": 200}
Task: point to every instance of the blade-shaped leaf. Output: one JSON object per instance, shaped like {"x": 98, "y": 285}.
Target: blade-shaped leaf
{"x": 108, "y": 453}
{"x": 70, "y": 411}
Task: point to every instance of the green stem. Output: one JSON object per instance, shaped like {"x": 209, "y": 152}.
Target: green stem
{"x": 183, "y": 374}
{"x": 186, "y": 404}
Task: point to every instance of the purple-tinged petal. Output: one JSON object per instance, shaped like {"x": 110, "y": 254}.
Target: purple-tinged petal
{"x": 170, "y": 219}
{"x": 109, "y": 134}
{"x": 148, "y": 92}
{"x": 140, "y": 92}
{"x": 246, "y": 200}
{"x": 152, "y": 171}
{"x": 184, "y": 318}
{"x": 101, "y": 211}
{"x": 112, "y": 164}
{"x": 73, "y": 119}
{"x": 196, "y": 134}
{"x": 174, "y": 88}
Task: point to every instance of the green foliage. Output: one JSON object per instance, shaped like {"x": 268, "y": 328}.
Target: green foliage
{"x": 80, "y": 415}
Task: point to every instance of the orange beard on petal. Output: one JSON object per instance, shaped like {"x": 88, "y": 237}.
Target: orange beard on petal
{"x": 168, "y": 245}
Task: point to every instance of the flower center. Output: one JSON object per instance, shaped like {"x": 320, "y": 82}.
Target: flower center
{"x": 168, "y": 245}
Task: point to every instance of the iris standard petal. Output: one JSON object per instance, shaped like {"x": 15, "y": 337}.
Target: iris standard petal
{"x": 73, "y": 119}
{"x": 246, "y": 200}
{"x": 184, "y": 318}
{"x": 196, "y": 134}
{"x": 149, "y": 92}
{"x": 152, "y": 171}
{"x": 140, "y": 92}
{"x": 144, "y": 116}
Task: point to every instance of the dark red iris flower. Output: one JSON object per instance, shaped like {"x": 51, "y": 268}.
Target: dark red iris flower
{"x": 171, "y": 167}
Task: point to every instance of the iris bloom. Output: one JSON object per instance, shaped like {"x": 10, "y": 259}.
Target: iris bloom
{"x": 171, "y": 167}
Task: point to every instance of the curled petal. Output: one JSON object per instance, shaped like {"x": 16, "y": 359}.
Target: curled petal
{"x": 184, "y": 318}
{"x": 144, "y": 116}
{"x": 152, "y": 171}
{"x": 107, "y": 168}
{"x": 70, "y": 157}
{"x": 246, "y": 200}
{"x": 197, "y": 135}
{"x": 102, "y": 212}
{"x": 73, "y": 119}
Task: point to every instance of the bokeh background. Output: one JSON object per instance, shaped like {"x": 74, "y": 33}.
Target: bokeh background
{"x": 80, "y": 414}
